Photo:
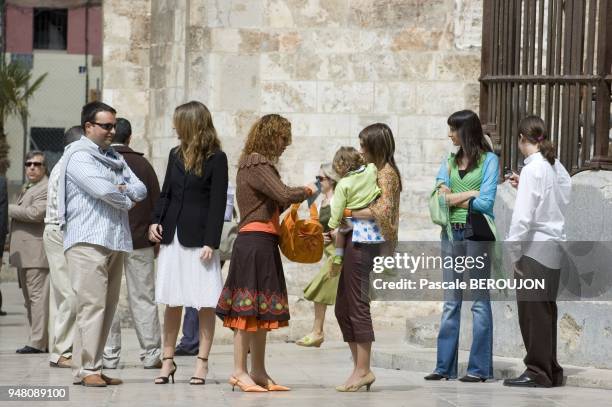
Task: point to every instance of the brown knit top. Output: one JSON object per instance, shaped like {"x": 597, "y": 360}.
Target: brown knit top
{"x": 259, "y": 190}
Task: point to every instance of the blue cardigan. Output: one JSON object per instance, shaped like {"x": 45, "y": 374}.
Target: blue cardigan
{"x": 485, "y": 201}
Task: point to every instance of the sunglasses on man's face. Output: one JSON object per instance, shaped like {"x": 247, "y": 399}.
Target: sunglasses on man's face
{"x": 321, "y": 179}
{"x": 105, "y": 126}
{"x": 33, "y": 164}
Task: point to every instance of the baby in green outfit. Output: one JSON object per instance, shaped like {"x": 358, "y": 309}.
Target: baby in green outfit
{"x": 356, "y": 189}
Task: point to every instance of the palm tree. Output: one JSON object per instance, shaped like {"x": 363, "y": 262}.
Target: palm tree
{"x": 15, "y": 91}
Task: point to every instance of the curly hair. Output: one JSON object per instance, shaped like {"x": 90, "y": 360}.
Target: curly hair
{"x": 347, "y": 159}
{"x": 269, "y": 136}
{"x": 198, "y": 136}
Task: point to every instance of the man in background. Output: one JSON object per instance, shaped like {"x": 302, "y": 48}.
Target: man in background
{"x": 27, "y": 253}
{"x": 63, "y": 306}
{"x": 138, "y": 265}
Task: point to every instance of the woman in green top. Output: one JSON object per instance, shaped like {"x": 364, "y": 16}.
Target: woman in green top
{"x": 323, "y": 287}
{"x": 470, "y": 176}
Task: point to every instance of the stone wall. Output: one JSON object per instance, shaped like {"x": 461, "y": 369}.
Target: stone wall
{"x": 126, "y": 66}
{"x": 330, "y": 66}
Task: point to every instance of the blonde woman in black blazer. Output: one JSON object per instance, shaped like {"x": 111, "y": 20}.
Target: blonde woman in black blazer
{"x": 188, "y": 221}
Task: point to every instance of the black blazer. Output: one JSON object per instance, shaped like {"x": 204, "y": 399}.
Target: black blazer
{"x": 196, "y": 205}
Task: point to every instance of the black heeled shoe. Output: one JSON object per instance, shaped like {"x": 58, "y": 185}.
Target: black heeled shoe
{"x": 472, "y": 379}
{"x": 198, "y": 381}
{"x": 166, "y": 379}
{"x": 435, "y": 376}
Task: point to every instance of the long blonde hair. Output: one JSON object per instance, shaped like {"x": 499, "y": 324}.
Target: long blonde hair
{"x": 194, "y": 125}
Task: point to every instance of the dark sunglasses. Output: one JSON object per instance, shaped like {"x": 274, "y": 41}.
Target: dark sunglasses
{"x": 321, "y": 179}
{"x": 105, "y": 126}
{"x": 33, "y": 164}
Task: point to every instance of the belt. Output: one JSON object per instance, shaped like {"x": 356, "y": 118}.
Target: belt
{"x": 458, "y": 226}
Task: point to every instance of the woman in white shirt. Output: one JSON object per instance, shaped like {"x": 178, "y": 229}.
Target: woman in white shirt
{"x": 538, "y": 223}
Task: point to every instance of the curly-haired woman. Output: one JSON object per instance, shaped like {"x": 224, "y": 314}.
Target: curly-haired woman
{"x": 254, "y": 298}
{"x": 188, "y": 221}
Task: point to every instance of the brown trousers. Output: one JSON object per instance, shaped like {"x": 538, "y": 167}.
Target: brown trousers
{"x": 353, "y": 299}
{"x": 34, "y": 284}
{"x": 537, "y": 312}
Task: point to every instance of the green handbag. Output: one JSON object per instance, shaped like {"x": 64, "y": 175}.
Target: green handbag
{"x": 439, "y": 212}
{"x": 438, "y": 209}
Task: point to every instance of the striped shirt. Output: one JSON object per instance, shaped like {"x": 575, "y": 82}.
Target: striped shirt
{"x": 96, "y": 210}
{"x": 52, "y": 216}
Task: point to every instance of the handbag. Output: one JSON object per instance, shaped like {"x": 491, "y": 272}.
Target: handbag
{"x": 477, "y": 227}
{"x": 301, "y": 240}
{"x": 228, "y": 236}
{"x": 438, "y": 209}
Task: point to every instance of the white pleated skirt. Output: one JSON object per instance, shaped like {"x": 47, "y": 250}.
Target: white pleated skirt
{"x": 183, "y": 279}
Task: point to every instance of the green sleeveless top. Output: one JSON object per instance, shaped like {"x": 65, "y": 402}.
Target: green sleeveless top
{"x": 471, "y": 181}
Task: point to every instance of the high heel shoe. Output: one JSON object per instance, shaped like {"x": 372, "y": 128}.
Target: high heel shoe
{"x": 366, "y": 381}
{"x": 309, "y": 342}
{"x": 271, "y": 386}
{"x": 254, "y": 388}
{"x": 198, "y": 381}
{"x": 166, "y": 379}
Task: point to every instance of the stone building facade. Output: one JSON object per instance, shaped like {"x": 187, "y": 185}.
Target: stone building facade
{"x": 330, "y": 66}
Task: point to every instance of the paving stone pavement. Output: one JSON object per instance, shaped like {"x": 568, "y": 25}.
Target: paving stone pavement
{"x": 312, "y": 374}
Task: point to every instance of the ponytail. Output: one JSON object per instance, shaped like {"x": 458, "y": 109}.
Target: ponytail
{"x": 534, "y": 130}
{"x": 548, "y": 151}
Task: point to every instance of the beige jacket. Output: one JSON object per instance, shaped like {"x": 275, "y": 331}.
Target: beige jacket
{"x": 27, "y": 226}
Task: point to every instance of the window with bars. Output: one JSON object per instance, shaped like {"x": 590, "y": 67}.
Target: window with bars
{"x": 50, "y": 28}
{"x": 552, "y": 58}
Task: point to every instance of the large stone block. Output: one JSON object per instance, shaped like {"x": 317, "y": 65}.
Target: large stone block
{"x": 345, "y": 97}
{"x": 198, "y": 39}
{"x": 423, "y": 127}
{"x": 440, "y": 98}
{"x": 394, "y": 97}
{"x": 388, "y": 66}
{"x": 383, "y": 13}
{"x": 235, "y": 84}
{"x": 125, "y": 77}
{"x": 277, "y": 66}
{"x": 414, "y": 38}
{"x": 311, "y": 65}
{"x": 307, "y": 13}
{"x": 359, "y": 122}
{"x": 453, "y": 66}
{"x": 289, "y": 96}
{"x": 468, "y": 24}
{"x": 323, "y": 126}
{"x": 235, "y": 13}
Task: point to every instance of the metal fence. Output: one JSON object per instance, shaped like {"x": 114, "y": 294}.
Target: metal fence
{"x": 552, "y": 58}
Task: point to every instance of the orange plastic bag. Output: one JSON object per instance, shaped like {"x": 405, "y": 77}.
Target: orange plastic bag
{"x": 301, "y": 240}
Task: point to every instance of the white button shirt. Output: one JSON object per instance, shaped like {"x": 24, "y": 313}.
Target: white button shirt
{"x": 539, "y": 212}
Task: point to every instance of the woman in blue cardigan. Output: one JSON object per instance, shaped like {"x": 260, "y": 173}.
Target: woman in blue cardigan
{"x": 468, "y": 177}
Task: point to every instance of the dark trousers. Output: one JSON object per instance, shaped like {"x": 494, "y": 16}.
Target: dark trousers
{"x": 537, "y": 312}
{"x": 353, "y": 300}
{"x": 190, "y": 342}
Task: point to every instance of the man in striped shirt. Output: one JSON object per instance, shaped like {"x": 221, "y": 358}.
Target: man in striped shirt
{"x": 96, "y": 190}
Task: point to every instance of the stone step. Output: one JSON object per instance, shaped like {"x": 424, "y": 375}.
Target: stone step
{"x": 583, "y": 331}
{"x": 420, "y": 359}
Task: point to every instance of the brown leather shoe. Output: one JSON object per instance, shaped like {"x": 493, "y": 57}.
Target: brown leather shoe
{"x": 93, "y": 380}
{"x": 111, "y": 381}
{"x": 63, "y": 362}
